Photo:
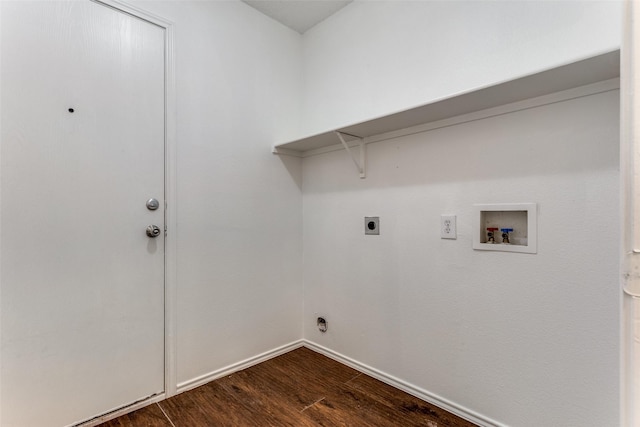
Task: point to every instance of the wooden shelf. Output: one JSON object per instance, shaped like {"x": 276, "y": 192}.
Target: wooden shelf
{"x": 585, "y": 72}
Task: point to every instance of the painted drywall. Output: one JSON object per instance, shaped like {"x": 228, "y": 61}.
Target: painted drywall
{"x": 376, "y": 57}
{"x": 522, "y": 339}
{"x": 238, "y": 79}
{"x": 239, "y": 238}
{"x": 239, "y": 87}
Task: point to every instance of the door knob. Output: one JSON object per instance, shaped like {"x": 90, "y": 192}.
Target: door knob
{"x": 153, "y": 231}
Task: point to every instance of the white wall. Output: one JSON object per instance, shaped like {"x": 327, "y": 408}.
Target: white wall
{"x": 525, "y": 340}
{"x": 528, "y": 340}
{"x": 376, "y": 57}
{"x": 238, "y": 78}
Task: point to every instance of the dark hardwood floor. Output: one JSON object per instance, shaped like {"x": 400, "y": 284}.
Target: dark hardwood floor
{"x": 299, "y": 388}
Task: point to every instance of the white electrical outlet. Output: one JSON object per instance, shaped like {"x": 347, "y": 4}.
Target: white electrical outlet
{"x": 448, "y": 227}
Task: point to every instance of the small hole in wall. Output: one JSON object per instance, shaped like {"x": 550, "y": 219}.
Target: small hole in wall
{"x": 322, "y": 324}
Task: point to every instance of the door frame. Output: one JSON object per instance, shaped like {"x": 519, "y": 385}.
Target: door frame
{"x": 630, "y": 210}
{"x": 170, "y": 188}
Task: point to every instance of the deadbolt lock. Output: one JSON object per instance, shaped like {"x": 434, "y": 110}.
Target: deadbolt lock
{"x": 153, "y": 204}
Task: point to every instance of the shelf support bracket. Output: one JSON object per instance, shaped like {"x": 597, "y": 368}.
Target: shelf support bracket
{"x": 361, "y": 162}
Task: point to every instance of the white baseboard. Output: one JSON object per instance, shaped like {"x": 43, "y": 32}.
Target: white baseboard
{"x": 196, "y": 382}
{"x": 227, "y": 370}
{"x": 418, "y": 392}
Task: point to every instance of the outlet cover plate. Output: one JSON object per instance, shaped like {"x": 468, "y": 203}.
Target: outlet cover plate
{"x": 448, "y": 227}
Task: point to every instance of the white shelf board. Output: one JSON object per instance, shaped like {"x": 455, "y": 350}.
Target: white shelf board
{"x": 580, "y": 73}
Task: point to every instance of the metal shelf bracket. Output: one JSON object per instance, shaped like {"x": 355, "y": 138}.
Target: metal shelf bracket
{"x": 361, "y": 162}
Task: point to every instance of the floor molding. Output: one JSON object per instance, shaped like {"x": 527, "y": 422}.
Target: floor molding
{"x": 193, "y": 383}
{"x": 247, "y": 363}
{"x": 418, "y": 392}
{"x": 405, "y": 386}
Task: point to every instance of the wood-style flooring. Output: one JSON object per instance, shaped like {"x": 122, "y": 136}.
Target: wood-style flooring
{"x": 299, "y": 388}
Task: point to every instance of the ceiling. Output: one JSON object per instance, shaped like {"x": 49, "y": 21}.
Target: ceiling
{"x": 299, "y": 15}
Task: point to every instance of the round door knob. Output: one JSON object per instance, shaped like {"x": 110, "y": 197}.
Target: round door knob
{"x": 153, "y": 231}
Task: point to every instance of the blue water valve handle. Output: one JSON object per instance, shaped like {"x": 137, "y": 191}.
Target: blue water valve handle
{"x": 505, "y": 234}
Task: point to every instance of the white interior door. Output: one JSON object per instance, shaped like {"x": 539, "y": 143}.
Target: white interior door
{"x": 82, "y": 150}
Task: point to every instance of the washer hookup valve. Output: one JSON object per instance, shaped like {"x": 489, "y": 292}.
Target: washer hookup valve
{"x": 505, "y": 234}
{"x": 491, "y": 234}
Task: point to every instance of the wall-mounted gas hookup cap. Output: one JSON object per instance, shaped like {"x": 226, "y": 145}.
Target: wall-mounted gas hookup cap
{"x": 505, "y": 234}
{"x": 491, "y": 234}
